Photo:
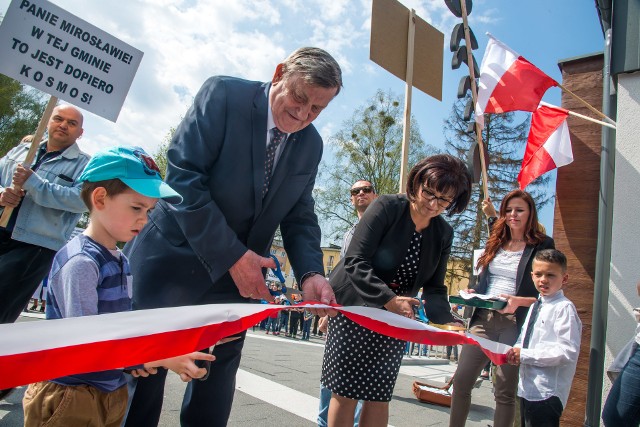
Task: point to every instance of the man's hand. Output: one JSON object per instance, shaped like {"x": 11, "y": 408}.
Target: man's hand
{"x": 21, "y": 175}
{"x": 247, "y": 275}
{"x": 317, "y": 288}
{"x": 402, "y": 306}
{"x": 10, "y": 197}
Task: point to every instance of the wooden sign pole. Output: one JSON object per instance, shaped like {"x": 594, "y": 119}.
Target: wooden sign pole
{"x": 407, "y": 102}
{"x": 31, "y": 154}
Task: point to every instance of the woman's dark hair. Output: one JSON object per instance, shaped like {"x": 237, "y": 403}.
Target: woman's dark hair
{"x": 501, "y": 233}
{"x": 445, "y": 174}
{"x": 113, "y": 187}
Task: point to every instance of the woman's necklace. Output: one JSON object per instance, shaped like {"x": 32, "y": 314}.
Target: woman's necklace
{"x": 514, "y": 242}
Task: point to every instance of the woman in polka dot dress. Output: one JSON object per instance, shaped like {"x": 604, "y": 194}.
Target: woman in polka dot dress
{"x": 400, "y": 245}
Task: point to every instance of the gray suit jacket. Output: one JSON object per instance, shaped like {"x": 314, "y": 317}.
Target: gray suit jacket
{"x": 216, "y": 162}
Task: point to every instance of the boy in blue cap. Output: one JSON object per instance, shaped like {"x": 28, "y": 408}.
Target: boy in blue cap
{"x": 91, "y": 276}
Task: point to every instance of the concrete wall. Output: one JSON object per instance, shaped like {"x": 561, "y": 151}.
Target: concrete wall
{"x": 625, "y": 247}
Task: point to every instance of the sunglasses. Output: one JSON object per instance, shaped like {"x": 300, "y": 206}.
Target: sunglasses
{"x": 366, "y": 190}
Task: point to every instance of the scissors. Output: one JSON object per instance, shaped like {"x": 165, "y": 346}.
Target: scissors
{"x": 418, "y": 311}
{"x": 207, "y": 363}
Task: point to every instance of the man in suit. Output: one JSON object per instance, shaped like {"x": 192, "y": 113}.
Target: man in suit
{"x": 245, "y": 159}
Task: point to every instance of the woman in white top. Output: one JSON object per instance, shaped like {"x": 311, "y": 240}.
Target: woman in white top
{"x": 506, "y": 272}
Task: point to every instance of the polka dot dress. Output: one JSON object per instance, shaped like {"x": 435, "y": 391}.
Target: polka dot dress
{"x": 361, "y": 364}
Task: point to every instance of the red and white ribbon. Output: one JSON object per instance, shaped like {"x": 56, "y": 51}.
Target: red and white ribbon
{"x": 37, "y": 351}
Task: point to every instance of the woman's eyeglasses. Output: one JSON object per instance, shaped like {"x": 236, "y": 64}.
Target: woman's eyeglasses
{"x": 430, "y": 196}
{"x": 366, "y": 190}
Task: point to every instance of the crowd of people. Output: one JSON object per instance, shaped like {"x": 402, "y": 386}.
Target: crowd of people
{"x": 241, "y": 164}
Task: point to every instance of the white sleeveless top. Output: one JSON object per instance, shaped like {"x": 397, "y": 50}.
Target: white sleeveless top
{"x": 502, "y": 273}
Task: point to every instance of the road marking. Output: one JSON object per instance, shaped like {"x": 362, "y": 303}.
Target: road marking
{"x": 282, "y": 338}
{"x": 296, "y": 402}
{"x": 275, "y": 394}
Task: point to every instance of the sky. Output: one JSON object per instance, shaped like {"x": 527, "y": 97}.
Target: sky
{"x": 185, "y": 42}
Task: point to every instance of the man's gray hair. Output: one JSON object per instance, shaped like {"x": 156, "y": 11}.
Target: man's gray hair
{"x": 316, "y": 67}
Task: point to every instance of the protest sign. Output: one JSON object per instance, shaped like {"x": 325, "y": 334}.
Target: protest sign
{"x": 44, "y": 46}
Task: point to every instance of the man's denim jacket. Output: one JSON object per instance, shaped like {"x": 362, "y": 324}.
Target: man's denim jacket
{"x": 52, "y": 205}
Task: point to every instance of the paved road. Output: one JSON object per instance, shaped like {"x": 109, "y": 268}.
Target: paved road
{"x": 278, "y": 385}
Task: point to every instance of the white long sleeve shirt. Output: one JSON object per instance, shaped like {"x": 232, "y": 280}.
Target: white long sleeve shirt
{"x": 547, "y": 367}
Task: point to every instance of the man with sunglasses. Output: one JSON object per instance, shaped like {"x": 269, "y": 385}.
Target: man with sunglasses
{"x": 362, "y": 194}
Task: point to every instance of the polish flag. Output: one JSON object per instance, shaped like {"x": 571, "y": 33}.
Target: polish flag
{"x": 548, "y": 144}
{"x": 508, "y": 82}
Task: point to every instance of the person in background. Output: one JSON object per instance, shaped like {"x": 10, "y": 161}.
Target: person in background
{"x": 400, "y": 246}
{"x": 622, "y": 407}
{"x": 362, "y": 193}
{"x": 307, "y": 317}
{"x": 245, "y": 159}
{"x": 453, "y": 349}
{"x": 90, "y": 276}
{"x": 506, "y": 273}
{"x": 547, "y": 349}
{"x": 45, "y": 210}
{"x": 295, "y": 316}
{"x": 284, "y": 317}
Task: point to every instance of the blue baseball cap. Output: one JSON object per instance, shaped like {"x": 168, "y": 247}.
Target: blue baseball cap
{"x": 134, "y": 167}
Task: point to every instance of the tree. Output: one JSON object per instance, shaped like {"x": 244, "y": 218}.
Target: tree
{"x": 367, "y": 147}
{"x": 20, "y": 111}
{"x": 505, "y": 141}
{"x": 160, "y": 156}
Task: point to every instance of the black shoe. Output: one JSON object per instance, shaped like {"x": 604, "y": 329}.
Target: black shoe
{"x": 5, "y": 393}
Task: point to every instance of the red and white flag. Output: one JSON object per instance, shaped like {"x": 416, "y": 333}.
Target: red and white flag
{"x": 548, "y": 144}
{"x": 37, "y": 351}
{"x": 508, "y": 82}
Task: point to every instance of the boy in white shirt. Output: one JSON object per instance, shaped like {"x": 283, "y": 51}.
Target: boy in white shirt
{"x": 548, "y": 347}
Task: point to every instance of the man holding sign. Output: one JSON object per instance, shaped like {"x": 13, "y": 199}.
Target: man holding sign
{"x": 45, "y": 210}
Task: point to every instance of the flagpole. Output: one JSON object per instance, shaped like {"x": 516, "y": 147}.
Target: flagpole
{"x": 591, "y": 119}
{"x": 589, "y": 106}
{"x": 474, "y": 97}
{"x": 35, "y": 142}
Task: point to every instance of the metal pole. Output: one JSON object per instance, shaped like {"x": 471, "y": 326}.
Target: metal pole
{"x": 603, "y": 251}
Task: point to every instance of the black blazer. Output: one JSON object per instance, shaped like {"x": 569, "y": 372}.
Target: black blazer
{"x": 378, "y": 247}
{"x": 216, "y": 162}
{"x": 524, "y": 282}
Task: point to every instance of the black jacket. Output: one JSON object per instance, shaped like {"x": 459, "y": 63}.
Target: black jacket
{"x": 378, "y": 247}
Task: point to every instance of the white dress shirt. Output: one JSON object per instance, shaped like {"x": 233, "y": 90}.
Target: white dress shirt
{"x": 547, "y": 367}
{"x": 270, "y": 125}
